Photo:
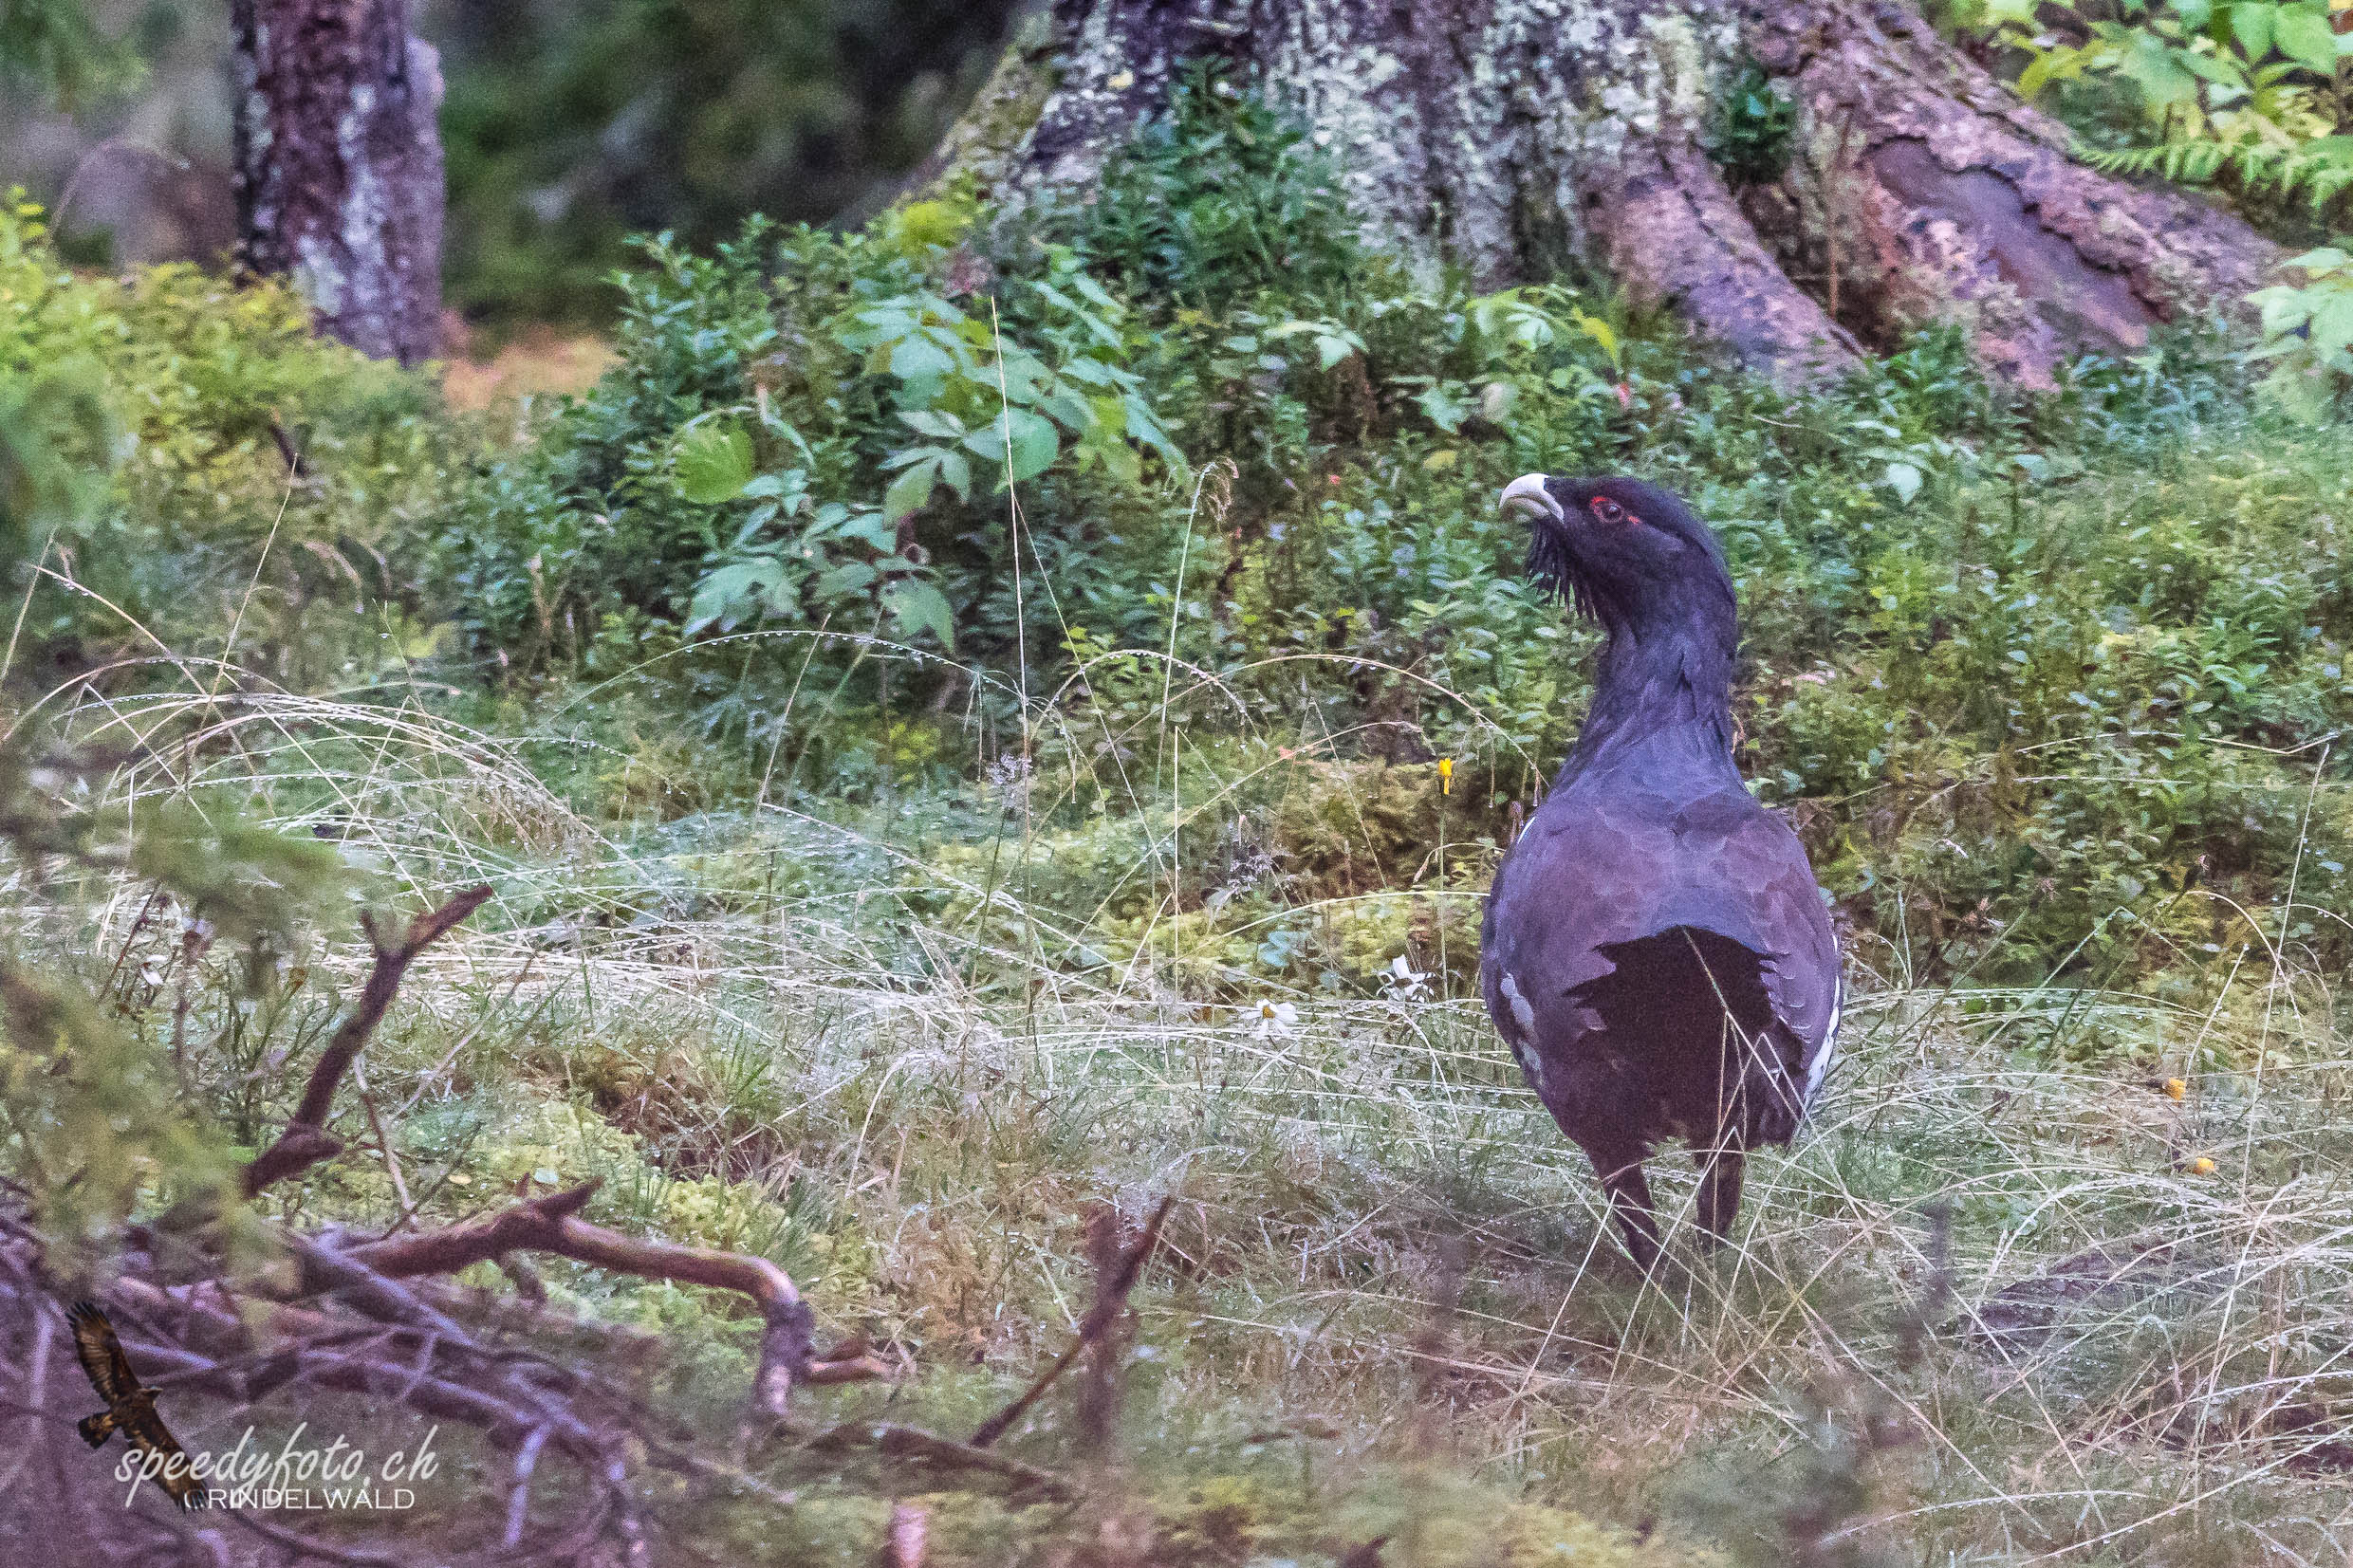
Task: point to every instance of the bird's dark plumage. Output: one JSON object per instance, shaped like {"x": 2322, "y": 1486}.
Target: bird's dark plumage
{"x": 130, "y": 1403}
{"x": 1656, "y": 949}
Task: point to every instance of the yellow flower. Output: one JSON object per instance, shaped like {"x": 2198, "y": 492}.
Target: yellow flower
{"x": 1446, "y": 775}
{"x": 2202, "y": 1165}
{"x": 2176, "y": 1088}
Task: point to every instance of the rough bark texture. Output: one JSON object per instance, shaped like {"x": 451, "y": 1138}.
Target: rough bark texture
{"x": 1513, "y": 133}
{"x": 339, "y": 165}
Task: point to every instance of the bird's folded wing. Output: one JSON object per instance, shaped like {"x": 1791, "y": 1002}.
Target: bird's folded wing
{"x": 1622, "y": 870}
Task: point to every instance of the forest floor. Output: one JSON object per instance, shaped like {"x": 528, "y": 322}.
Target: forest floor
{"x": 1990, "y": 1307}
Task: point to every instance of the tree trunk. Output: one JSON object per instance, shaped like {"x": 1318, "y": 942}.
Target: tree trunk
{"x": 1511, "y": 132}
{"x": 339, "y": 165}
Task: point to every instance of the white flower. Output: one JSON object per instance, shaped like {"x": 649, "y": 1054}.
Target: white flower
{"x": 1275, "y": 1019}
{"x": 1401, "y": 982}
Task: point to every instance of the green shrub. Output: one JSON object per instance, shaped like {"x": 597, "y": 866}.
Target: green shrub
{"x": 200, "y": 398}
{"x": 1217, "y": 202}
{"x": 2307, "y": 331}
{"x": 806, "y": 431}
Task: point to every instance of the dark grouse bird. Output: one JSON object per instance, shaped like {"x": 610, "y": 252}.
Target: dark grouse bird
{"x": 1656, "y": 950}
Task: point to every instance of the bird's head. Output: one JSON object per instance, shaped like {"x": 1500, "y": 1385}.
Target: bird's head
{"x": 1631, "y": 555}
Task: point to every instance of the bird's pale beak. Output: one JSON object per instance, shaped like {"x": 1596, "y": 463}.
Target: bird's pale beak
{"x": 1528, "y": 494}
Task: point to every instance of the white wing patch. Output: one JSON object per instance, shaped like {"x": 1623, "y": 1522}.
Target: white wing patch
{"x": 1523, "y": 1044}
{"x": 1820, "y": 1066}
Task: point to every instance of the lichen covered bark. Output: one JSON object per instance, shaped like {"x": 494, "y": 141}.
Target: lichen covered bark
{"x": 1512, "y": 133}
{"x": 1945, "y": 197}
{"x": 338, "y": 172}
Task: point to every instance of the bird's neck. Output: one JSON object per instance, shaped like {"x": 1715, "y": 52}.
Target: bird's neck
{"x": 1664, "y": 678}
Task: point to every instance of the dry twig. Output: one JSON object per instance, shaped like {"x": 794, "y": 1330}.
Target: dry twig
{"x": 306, "y": 1140}
{"x": 1110, "y": 1299}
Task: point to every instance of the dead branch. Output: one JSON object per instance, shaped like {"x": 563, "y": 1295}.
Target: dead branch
{"x": 395, "y": 1348}
{"x": 306, "y": 1140}
{"x": 552, "y": 1224}
{"x": 905, "y": 1544}
{"x": 323, "y": 1270}
{"x": 851, "y": 1362}
{"x": 1110, "y": 1299}
{"x": 897, "y": 1442}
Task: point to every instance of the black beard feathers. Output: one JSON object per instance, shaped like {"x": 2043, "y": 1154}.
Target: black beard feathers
{"x": 1549, "y": 566}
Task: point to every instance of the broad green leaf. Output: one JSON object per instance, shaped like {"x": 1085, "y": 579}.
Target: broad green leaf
{"x": 2304, "y": 35}
{"x": 938, "y": 423}
{"x": 956, "y": 470}
{"x": 1604, "y": 335}
{"x": 735, "y": 591}
{"x": 1035, "y": 445}
{"x": 1094, "y": 374}
{"x": 712, "y": 462}
{"x": 1021, "y": 376}
{"x": 1442, "y": 408}
{"x": 1071, "y": 410}
{"x": 2223, "y": 73}
{"x": 2153, "y": 67}
{"x": 1143, "y": 425}
{"x": 920, "y": 607}
{"x": 910, "y": 491}
{"x": 869, "y": 526}
{"x": 2332, "y": 325}
{"x": 2055, "y": 65}
{"x": 2251, "y": 26}
{"x": 1098, "y": 296}
{"x": 2284, "y": 308}
{"x": 1120, "y": 462}
{"x": 916, "y": 358}
{"x": 1904, "y": 479}
{"x": 849, "y": 578}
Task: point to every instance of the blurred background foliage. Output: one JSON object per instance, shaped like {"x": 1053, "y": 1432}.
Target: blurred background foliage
{"x": 2049, "y": 682}
{"x": 570, "y": 126}
{"x": 567, "y": 127}
{"x": 2103, "y": 653}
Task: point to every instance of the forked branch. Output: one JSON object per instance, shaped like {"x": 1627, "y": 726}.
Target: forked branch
{"x": 306, "y": 1140}
{"x": 552, "y": 1223}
